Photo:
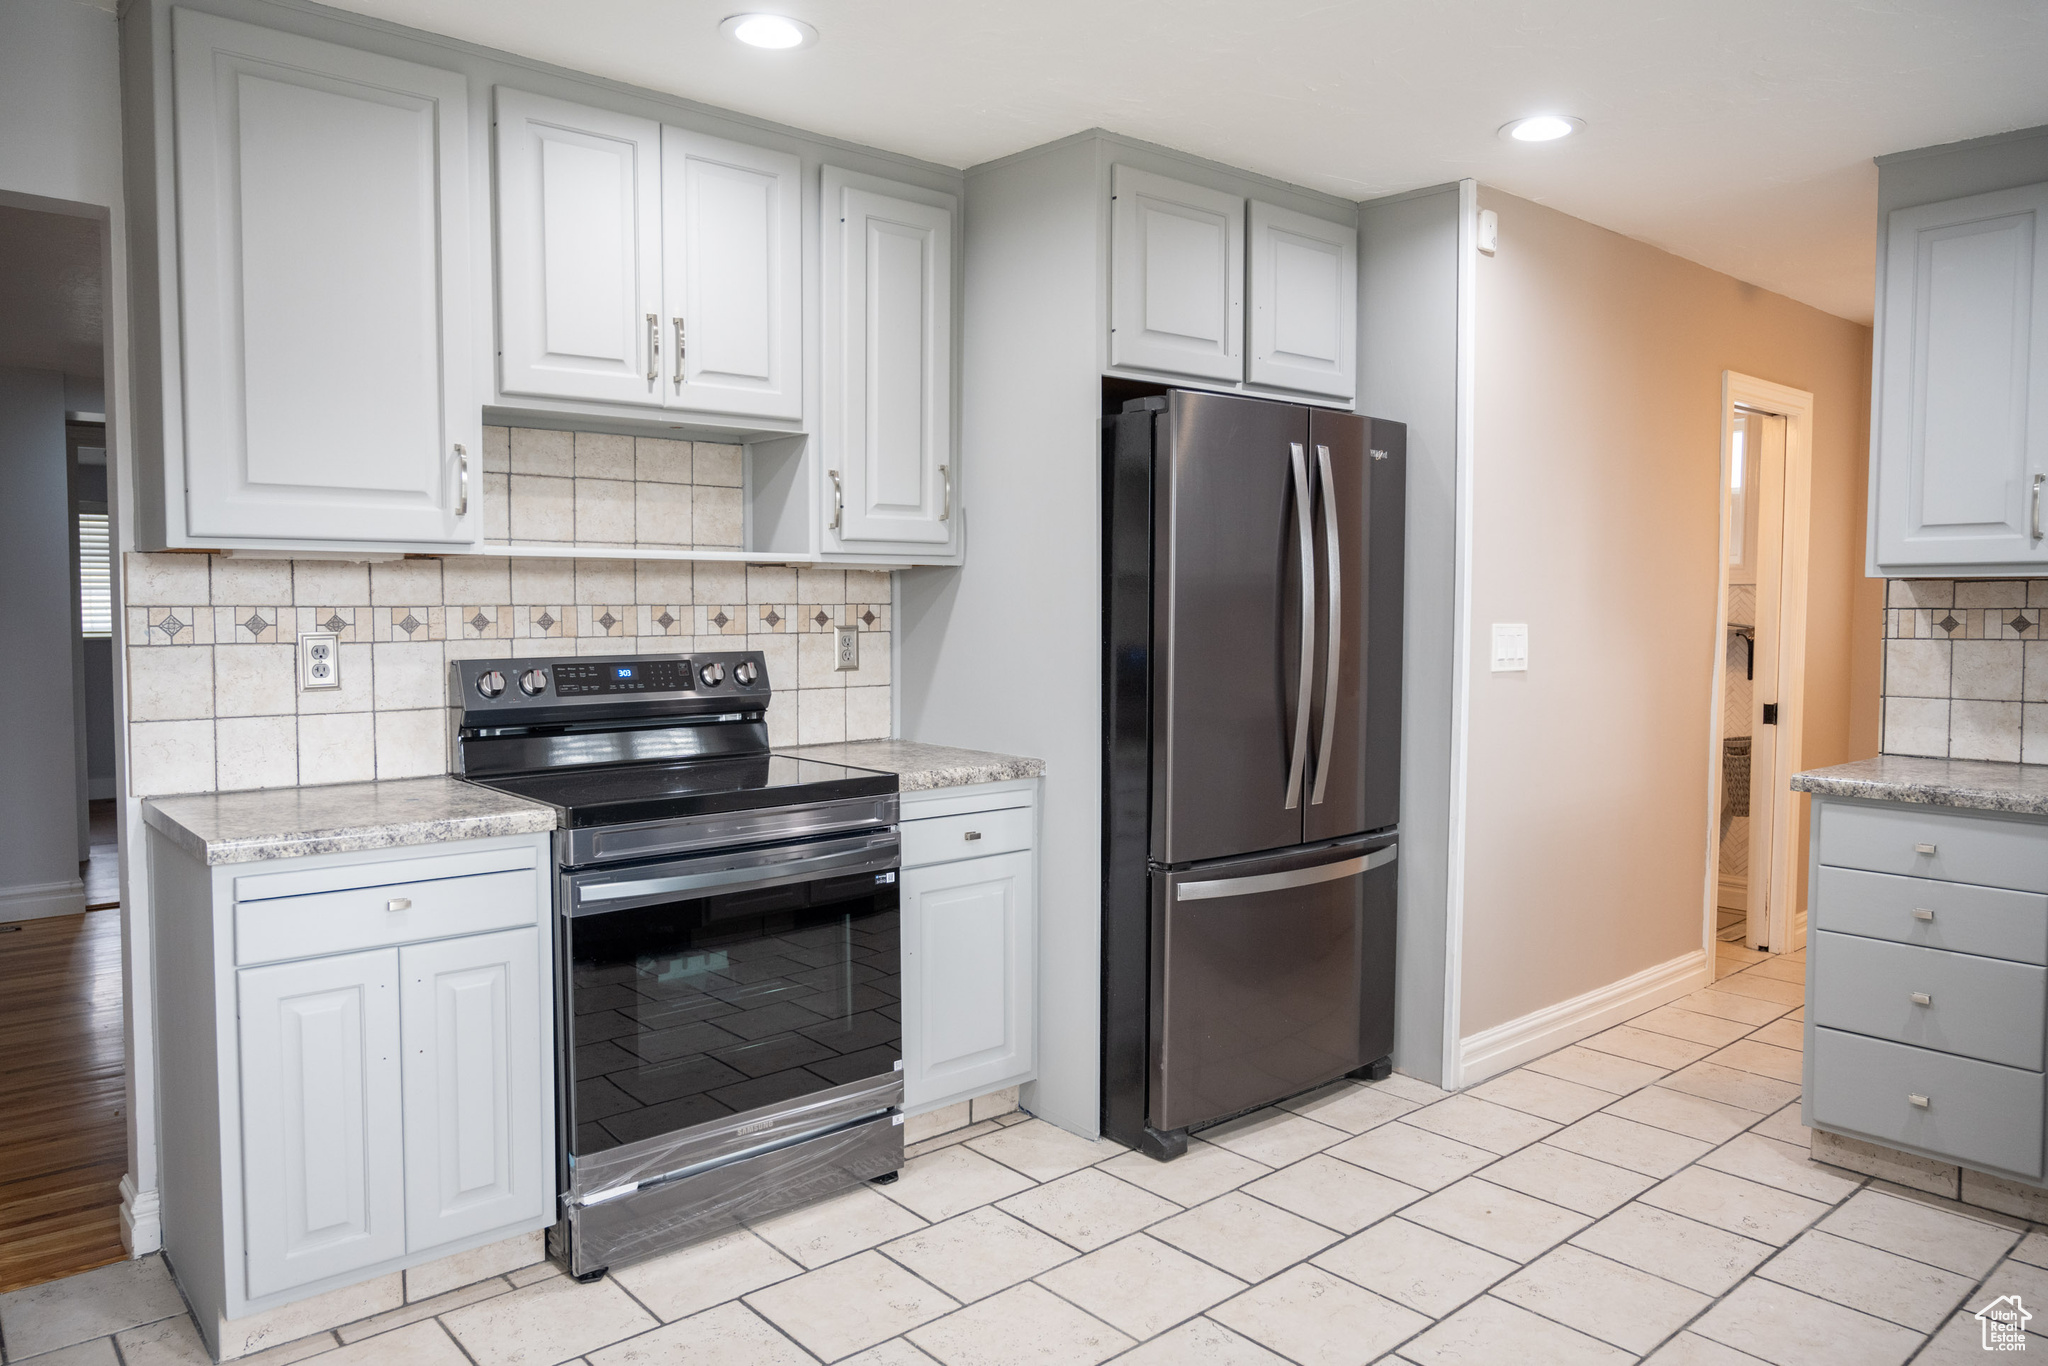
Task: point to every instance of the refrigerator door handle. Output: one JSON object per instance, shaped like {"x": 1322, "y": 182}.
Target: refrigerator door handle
{"x": 1298, "y": 760}
{"x": 1280, "y": 882}
{"x": 1335, "y": 625}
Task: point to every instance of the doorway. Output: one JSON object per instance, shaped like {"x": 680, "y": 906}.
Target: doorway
{"x": 1754, "y": 824}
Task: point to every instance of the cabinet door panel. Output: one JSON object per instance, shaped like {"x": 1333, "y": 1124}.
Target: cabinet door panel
{"x": 475, "y": 1146}
{"x": 1177, "y": 277}
{"x": 732, "y": 223}
{"x": 1304, "y": 296}
{"x": 1963, "y": 405}
{"x": 323, "y": 256}
{"x": 579, "y": 244}
{"x": 888, "y": 363}
{"x": 970, "y": 976}
{"x": 323, "y": 1184}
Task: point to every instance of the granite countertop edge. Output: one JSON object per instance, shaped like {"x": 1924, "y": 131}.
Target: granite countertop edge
{"x": 921, "y": 767}
{"x": 188, "y": 828}
{"x": 1963, "y": 784}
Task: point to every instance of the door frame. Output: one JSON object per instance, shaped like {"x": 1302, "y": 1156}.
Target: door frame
{"x": 1787, "y": 931}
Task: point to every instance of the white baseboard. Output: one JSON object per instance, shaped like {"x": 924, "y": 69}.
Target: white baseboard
{"x": 1495, "y": 1050}
{"x": 37, "y": 900}
{"x": 142, "y": 1230}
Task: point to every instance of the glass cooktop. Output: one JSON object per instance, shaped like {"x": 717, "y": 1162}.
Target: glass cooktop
{"x": 625, "y": 793}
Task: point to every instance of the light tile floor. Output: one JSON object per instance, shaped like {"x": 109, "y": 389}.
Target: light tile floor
{"x": 1643, "y": 1195}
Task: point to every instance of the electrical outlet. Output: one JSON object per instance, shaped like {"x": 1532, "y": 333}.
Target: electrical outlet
{"x": 319, "y": 661}
{"x": 848, "y": 655}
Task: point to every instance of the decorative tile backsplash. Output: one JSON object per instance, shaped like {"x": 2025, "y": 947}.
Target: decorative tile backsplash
{"x": 1966, "y": 668}
{"x": 213, "y": 698}
{"x": 591, "y": 488}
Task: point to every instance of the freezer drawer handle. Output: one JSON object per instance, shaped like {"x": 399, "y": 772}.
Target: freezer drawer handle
{"x": 1298, "y": 761}
{"x": 1334, "y": 623}
{"x": 1280, "y": 882}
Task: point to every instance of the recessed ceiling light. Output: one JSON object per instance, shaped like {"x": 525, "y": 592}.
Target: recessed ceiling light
{"x": 1542, "y": 128}
{"x": 775, "y": 31}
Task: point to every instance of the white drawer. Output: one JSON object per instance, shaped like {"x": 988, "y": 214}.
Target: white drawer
{"x": 318, "y": 923}
{"x": 1975, "y": 1113}
{"x": 1917, "y": 842}
{"x": 942, "y": 839}
{"x": 1983, "y": 1008}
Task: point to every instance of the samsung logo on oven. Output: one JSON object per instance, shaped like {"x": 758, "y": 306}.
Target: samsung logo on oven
{"x": 881, "y": 878}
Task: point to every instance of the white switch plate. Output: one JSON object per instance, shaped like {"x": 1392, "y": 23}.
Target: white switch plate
{"x": 1510, "y": 647}
{"x": 1489, "y": 231}
{"x": 319, "y": 661}
{"x": 848, "y": 653}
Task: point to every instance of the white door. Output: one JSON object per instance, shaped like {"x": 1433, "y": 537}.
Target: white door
{"x": 732, "y": 269}
{"x": 323, "y": 1181}
{"x": 579, "y": 251}
{"x": 324, "y": 273}
{"x": 1962, "y": 439}
{"x": 888, "y": 362}
{"x": 969, "y": 976}
{"x": 1176, "y": 277}
{"x": 477, "y": 1145}
{"x": 1304, "y": 297}
{"x": 1767, "y": 488}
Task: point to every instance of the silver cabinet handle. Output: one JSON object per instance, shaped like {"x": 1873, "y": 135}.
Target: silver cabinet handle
{"x": 946, "y": 478}
{"x": 653, "y": 348}
{"x": 1921, "y": 998}
{"x": 2036, "y": 519}
{"x": 399, "y": 903}
{"x": 462, "y": 501}
{"x": 1923, "y": 848}
{"x": 1920, "y": 1101}
{"x": 838, "y": 500}
{"x": 1299, "y": 760}
{"x": 1922, "y": 913}
{"x": 971, "y": 835}
{"x": 681, "y": 351}
{"x": 1333, "y": 623}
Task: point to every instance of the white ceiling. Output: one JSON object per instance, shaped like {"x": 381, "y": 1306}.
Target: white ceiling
{"x": 1737, "y": 133}
{"x": 51, "y": 300}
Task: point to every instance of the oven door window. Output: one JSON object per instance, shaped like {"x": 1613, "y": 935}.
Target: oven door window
{"x": 694, "y": 1009}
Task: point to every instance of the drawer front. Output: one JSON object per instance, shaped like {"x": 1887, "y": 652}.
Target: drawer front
{"x": 1917, "y": 842}
{"x": 1956, "y": 916}
{"x": 1982, "y": 1008}
{"x": 370, "y": 917}
{"x": 1977, "y": 1113}
{"x": 945, "y": 838}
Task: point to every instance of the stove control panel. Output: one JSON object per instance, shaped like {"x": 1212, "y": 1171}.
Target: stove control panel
{"x": 545, "y": 690}
{"x": 614, "y": 677}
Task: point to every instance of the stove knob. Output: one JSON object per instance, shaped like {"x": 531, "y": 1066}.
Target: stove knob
{"x": 491, "y": 684}
{"x": 744, "y": 673}
{"x": 712, "y": 675}
{"x": 533, "y": 682}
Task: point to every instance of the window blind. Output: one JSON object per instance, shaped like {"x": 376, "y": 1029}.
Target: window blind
{"x": 95, "y": 585}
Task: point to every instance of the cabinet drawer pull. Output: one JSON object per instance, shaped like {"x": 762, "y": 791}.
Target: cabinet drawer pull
{"x": 946, "y": 477}
{"x": 653, "y": 348}
{"x": 2035, "y": 517}
{"x": 1922, "y": 913}
{"x": 1918, "y": 1101}
{"x": 399, "y": 903}
{"x": 680, "y": 352}
{"x": 1921, "y": 998}
{"x": 462, "y": 457}
{"x": 838, "y": 501}
{"x": 971, "y": 835}
{"x": 1923, "y": 848}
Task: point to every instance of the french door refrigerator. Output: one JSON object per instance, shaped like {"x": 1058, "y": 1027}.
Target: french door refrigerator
{"x": 1252, "y": 695}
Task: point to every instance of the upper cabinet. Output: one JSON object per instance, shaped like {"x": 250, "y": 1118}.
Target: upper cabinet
{"x": 1186, "y": 260}
{"x": 323, "y": 271}
{"x": 888, "y": 365}
{"x": 645, "y": 264}
{"x": 1961, "y": 446}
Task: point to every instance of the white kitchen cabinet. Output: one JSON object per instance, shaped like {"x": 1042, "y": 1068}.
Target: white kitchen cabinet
{"x": 887, "y": 447}
{"x": 579, "y": 251}
{"x": 1304, "y": 302}
{"x": 322, "y": 1151}
{"x": 1961, "y": 447}
{"x": 1176, "y": 277}
{"x": 970, "y": 942}
{"x": 732, "y": 267}
{"x": 323, "y": 257}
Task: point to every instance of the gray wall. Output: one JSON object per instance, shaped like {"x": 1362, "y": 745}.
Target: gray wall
{"x": 1408, "y": 371}
{"x": 38, "y": 811}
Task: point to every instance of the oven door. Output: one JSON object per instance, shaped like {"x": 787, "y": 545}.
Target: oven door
{"x": 743, "y": 983}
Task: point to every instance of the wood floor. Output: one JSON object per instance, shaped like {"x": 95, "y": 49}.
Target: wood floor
{"x": 63, "y": 1137}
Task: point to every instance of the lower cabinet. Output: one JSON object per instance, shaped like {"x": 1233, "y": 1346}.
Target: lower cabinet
{"x": 970, "y": 944}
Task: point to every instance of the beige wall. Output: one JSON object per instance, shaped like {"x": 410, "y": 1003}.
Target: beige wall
{"x": 1596, "y": 520}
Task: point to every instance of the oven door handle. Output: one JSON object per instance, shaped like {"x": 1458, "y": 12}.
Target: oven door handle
{"x": 777, "y": 866}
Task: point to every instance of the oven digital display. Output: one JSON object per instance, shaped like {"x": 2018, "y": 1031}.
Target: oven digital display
{"x": 623, "y": 671}
{"x": 652, "y": 675}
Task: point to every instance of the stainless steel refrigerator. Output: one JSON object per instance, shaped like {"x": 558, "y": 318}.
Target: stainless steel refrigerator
{"x": 1252, "y": 707}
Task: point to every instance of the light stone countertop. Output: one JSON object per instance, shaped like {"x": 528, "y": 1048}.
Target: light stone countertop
{"x": 291, "y": 822}
{"x": 1967, "y": 784}
{"x": 920, "y": 767}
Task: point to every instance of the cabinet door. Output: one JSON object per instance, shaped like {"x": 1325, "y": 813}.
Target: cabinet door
{"x": 324, "y": 270}
{"x": 1176, "y": 277}
{"x": 888, "y": 362}
{"x": 323, "y": 1181}
{"x": 969, "y": 976}
{"x": 732, "y": 224}
{"x": 1962, "y": 440}
{"x": 1304, "y": 294}
{"x": 477, "y": 1144}
{"x": 579, "y": 251}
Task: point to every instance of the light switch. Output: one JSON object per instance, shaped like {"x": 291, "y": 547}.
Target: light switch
{"x": 1510, "y": 647}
